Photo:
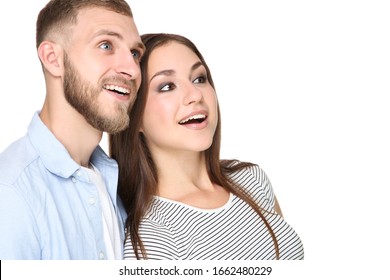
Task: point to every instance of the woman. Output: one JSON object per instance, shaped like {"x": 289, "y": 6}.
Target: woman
{"x": 182, "y": 201}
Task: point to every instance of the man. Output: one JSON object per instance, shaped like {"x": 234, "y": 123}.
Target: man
{"x": 58, "y": 195}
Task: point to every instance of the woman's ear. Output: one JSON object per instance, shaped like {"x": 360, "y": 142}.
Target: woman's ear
{"x": 141, "y": 129}
{"x": 50, "y": 55}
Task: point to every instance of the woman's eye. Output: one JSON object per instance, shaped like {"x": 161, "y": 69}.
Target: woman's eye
{"x": 106, "y": 46}
{"x": 200, "y": 80}
{"x": 167, "y": 87}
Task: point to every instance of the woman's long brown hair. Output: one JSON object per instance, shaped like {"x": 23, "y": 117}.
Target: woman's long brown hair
{"x": 137, "y": 172}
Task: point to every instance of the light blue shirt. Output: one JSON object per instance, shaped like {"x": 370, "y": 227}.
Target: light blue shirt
{"x": 48, "y": 207}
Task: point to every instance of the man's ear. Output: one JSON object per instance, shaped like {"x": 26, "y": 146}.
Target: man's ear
{"x": 51, "y": 55}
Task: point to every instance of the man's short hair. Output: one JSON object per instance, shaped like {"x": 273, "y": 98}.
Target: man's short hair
{"x": 58, "y": 14}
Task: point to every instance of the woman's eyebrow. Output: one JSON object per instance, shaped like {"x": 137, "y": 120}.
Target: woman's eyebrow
{"x": 167, "y": 72}
{"x": 170, "y": 72}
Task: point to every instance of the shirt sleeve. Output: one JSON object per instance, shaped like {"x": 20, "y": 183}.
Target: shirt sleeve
{"x": 18, "y": 233}
{"x": 266, "y": 194}
{"x": 159, "y": 242}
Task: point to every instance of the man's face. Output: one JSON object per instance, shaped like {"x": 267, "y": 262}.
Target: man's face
{"x": 84, "y": 97}
{"x": 102, "y": 73}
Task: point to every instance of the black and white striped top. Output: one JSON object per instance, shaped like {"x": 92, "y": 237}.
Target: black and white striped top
{"x": 173, "y": 230}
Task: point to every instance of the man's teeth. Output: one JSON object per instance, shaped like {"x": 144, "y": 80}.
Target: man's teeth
{"x": 117, "y": 88}
{"x": 194, "y": 117}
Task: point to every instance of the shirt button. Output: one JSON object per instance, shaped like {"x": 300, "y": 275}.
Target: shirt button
{"x": 74, "y": 180}
{"x": 101, "y": 255}
{"x": 79, "y": 173}
{"x": 92, "y": 200}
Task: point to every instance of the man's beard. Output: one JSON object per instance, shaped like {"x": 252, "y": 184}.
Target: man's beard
{"x": 83, "y": 96}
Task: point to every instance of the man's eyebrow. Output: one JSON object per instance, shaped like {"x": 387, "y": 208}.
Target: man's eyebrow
{"x": 141, "y": 46}
{"x": 109, "y": 33}
{"x": 106, "y": 32}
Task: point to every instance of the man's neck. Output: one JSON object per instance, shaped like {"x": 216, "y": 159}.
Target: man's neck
{"x": 73, "y": 131}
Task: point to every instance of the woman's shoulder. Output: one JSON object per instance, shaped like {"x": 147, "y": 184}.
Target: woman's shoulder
{"x": 254, "y": 180}
{"x": 242, "y": 169}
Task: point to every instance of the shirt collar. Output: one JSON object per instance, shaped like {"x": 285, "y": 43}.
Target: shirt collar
{"x": 54, "y": 155}
{"x": 108, "y": 167}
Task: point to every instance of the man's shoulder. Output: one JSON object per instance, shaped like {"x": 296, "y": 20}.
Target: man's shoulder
{"x": 15, "y": 159}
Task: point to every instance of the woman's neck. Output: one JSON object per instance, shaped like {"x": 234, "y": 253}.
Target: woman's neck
{"x": 185, "y": 179}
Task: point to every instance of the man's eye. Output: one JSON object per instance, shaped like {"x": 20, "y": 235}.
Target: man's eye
{"x": 136, "y": 54}
{"x": 106, "y": 46}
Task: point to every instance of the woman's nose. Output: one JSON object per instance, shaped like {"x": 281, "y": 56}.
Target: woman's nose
{"x": 193, "y": 95}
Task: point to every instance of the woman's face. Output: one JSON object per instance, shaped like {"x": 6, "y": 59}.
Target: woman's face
{"x": 181, "y": 108}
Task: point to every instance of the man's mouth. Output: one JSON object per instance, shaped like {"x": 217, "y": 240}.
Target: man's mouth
{"x": 198, "y": 118}
{"x": 117, "y": 89}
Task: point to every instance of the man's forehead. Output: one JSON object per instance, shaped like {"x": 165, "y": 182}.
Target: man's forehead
{"x": 95, "y": 21}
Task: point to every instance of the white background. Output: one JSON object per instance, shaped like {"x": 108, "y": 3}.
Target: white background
{"x": 303, "y": 88}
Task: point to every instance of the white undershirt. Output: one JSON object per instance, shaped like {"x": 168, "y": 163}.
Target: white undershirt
{"x": 110, "y": 220}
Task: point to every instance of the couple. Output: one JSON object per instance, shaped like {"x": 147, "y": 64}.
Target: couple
{"x": 177, "y": 199}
